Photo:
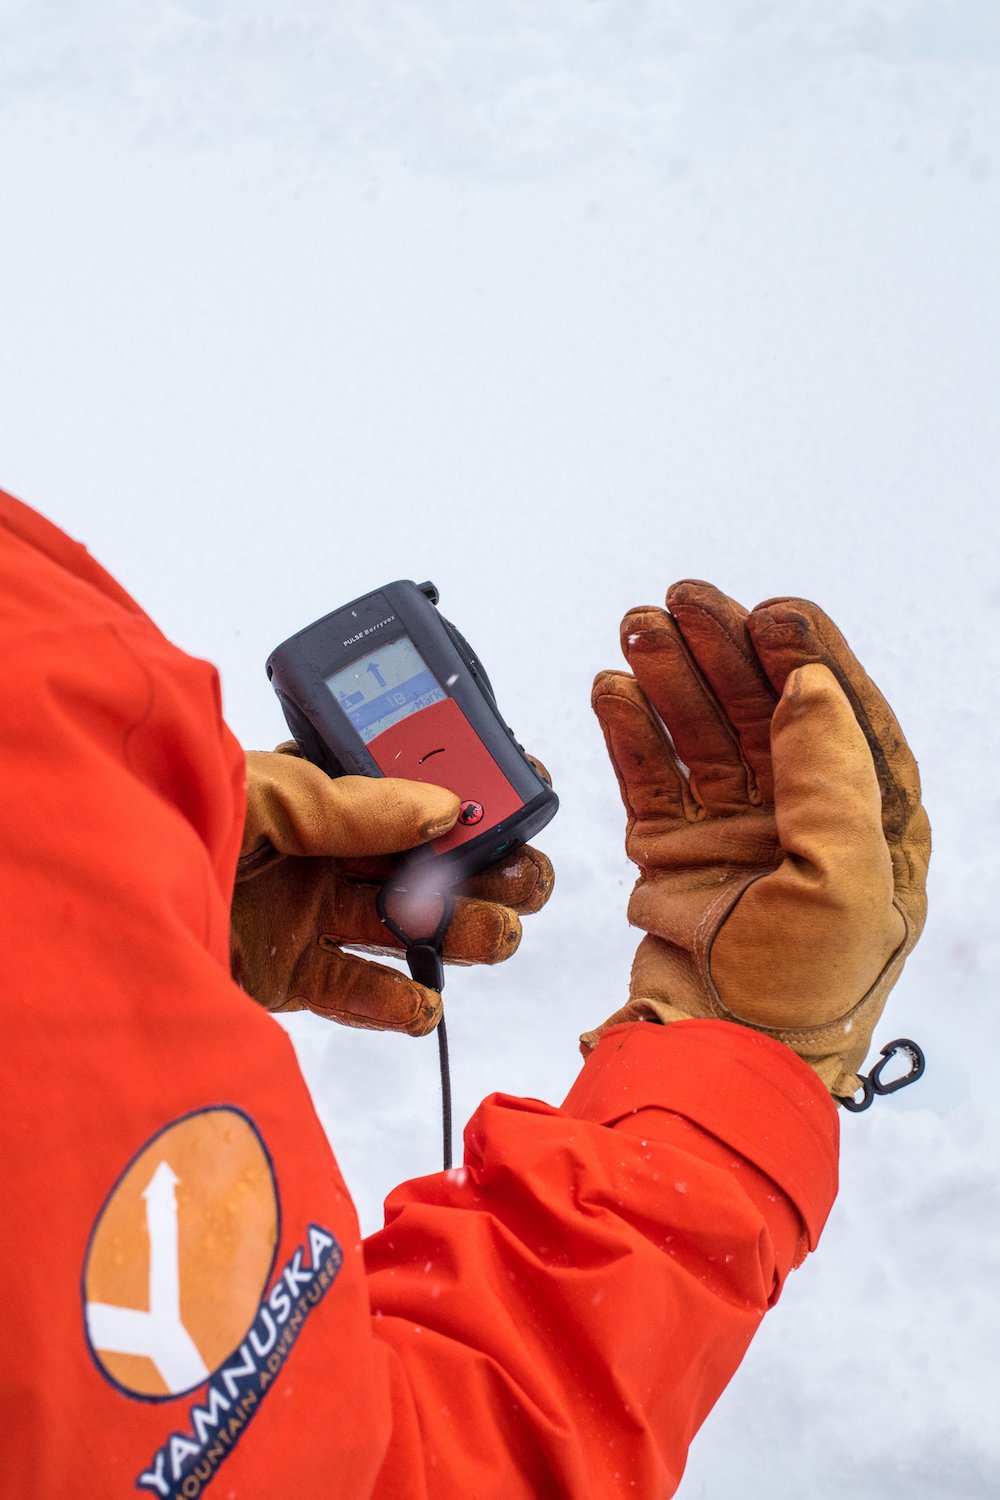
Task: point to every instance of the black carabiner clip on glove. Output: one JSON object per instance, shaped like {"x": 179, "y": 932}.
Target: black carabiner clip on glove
{"x": 871, "y": 1083}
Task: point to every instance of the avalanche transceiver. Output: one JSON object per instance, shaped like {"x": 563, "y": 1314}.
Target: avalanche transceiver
{"x": 386, "y": 686}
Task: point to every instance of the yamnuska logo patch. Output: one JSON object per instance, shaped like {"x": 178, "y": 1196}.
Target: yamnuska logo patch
{"x": 179, "y": 1291}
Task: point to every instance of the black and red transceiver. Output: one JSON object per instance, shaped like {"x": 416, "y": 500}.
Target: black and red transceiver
{"x": 386, "y": 686}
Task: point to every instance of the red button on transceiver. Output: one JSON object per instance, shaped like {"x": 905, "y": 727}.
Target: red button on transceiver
{"x": 470, "y": 812}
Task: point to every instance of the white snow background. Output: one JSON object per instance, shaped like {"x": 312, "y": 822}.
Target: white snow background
{"x": 554, "y": 303}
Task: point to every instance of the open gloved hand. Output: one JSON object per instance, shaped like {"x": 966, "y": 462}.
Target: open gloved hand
{"x": 774, "y": 813}
{"x": 306, "y": 887}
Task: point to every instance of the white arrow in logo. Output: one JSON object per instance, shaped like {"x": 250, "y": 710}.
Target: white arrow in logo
{"x": 159, "y": 1333}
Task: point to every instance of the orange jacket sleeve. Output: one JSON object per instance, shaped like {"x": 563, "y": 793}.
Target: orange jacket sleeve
{"x": 186, "y": 1306}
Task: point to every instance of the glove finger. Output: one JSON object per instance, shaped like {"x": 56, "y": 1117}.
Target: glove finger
{"x": 788, "y": 633}
{"x": 703, "y": 738}
{"x": 650, "y": 778}
{"x": 480, "y": 932}
{"x": 540, "y": 768}
{"x": 297, "y": 808}
{"x": 357, "y": 992}
{"x": 523, "y": 881}
{"x": 715, "y": 632}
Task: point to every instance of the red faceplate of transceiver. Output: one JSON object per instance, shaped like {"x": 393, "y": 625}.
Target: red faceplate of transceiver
{"x": 438, "y": 745}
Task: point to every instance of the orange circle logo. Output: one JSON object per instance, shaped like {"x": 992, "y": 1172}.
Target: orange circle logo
{"x": 180, "y": 1254}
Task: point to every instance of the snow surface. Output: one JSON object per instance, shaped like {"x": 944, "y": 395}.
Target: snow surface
{"x": 553, "y": 303}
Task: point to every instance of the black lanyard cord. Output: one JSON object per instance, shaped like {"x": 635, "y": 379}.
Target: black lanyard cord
{"x": 445, "y": 1065}
{"x": 426, "y": 967}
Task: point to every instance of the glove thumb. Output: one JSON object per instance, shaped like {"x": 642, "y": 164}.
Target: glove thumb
{"x": 831, "y": 897}
{"x": 295, "y": 808}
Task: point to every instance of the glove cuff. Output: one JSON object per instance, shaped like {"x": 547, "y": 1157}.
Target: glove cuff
{"x": 637, "y": 1009}
{"x": 823, "y": 1048}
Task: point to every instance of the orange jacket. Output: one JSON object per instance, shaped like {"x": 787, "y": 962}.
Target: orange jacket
{"x": 185, "y": 1301}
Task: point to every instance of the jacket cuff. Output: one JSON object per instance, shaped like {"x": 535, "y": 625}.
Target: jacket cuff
{"x": 748, "y": 1091}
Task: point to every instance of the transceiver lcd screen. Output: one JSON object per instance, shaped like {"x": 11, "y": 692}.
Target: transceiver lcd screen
{"x": 379, "y": 689}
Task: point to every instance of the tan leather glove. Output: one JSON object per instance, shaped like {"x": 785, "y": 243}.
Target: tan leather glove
{"x": 778, "y": 829}
{"x": 307, "y": 881}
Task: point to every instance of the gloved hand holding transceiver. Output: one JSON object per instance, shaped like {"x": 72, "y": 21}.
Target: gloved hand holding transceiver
{"x": 777, "y": 825}
{"x": 313, "y": 858}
